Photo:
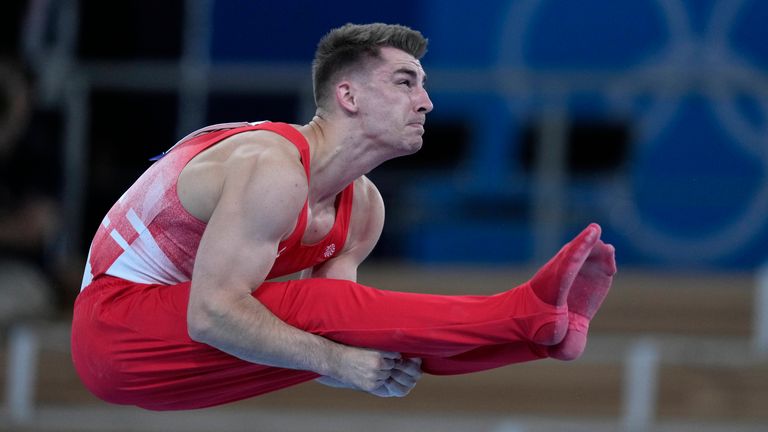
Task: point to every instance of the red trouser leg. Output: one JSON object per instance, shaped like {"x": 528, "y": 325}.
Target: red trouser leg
{"x": 484, "y": 358}
{"x": 130, "y": 346}
{"x": 130, "y": 342}
{"x": 417, "y": 325}
{"x": 469, "y": 333}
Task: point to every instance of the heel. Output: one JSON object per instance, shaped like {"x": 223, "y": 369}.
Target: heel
{"x": 552, "y": 333}
{"x": 575, "y": 341}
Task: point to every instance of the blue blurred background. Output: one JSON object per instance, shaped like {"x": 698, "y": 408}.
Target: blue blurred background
{"x": 648, "y": 117}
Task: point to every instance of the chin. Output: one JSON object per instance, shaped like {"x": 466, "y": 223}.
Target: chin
{"x": 413, "y": 147}
{"x": 407, "y": 149}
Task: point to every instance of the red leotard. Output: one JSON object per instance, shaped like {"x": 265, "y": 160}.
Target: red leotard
{"x": 129, "y": 336}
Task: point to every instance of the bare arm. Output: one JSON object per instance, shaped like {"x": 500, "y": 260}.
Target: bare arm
{"x": 256, "y": 209}
{"x": 365, "y": 229}
{"x": 367, "y": 222}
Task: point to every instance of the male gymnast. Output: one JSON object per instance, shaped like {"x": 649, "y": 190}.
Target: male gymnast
{"x": 177, "y": 310}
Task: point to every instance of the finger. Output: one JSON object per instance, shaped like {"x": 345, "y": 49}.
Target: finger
{"x": 387, "y": 364}
{"x": 380, "y": 391}
{"x": 414, "y": 362}
{"x": 382, "y": 375}
{"x": 396, "y": 389}
{"x": 410, "y": 367}
{"x": 390, "y": 355}
{"x": 409, "y": 359}
{"x": 414, "y": 373}
{"x": 404, "y": 379}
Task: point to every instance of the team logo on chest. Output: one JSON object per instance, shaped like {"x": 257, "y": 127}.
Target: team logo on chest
{"x": 329, "y": 250}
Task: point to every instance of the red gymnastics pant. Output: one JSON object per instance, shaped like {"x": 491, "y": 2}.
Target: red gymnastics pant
{"x": 130, "y": 343}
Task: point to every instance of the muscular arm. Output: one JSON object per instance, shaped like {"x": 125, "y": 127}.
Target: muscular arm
{"x": 261, "y": 196}
{"x": 365, "y": 228}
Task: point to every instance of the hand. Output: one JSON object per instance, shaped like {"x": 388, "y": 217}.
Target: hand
{"x": 332, "y": 382}
{"x": 365, "y": 369}
{"x": 380, "y": 373}
{"x": 402, "y": 380}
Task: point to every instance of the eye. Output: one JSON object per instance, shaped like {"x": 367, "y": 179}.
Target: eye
{"x": 405, "y": 82}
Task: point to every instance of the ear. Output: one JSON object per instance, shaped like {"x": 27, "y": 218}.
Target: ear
{"x": 345, "y": 96}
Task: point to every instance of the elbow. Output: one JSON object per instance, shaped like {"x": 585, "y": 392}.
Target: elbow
{"x": 201, "y": 322}
{"x": 198, "y": 327}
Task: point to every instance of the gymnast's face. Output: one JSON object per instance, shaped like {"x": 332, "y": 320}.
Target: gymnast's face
{"x": 393, "y": 103}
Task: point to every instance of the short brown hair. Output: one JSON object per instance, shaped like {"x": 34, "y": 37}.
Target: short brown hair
{"x": 347, "y": 46}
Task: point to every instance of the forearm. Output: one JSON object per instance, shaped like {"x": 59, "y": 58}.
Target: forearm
{"x": 246, "y": 329}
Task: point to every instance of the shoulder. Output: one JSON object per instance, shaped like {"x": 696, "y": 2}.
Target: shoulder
{"x": 257, "y": 154}
{"x": 259, "y": 145}
{"x": 257, "y": 151}
{"x": 367, "y": 195}
{"x": 263, "y": 182}
{"x": 367, "y": 218}
{"x": 266, "y": 165}
{"x": 239, "y": 167}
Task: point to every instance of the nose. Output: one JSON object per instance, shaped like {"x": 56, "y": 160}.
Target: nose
{"x": 423, "y": 102}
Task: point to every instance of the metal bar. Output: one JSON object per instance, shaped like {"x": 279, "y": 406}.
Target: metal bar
{"x": 21, "y": 374}
{"x": 761, "y": 312}
{"x": 76, "y": 113}
{"x": 640, "y": 383}
{"x": 295, "y": 76}
{"x": 195, "y": 66}
{"x": 549, "y": 183}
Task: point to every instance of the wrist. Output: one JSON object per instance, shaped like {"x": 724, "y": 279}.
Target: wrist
{"x": 331, "y": 367}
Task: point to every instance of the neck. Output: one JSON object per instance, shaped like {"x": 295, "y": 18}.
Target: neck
{"x": 338, "y": 157}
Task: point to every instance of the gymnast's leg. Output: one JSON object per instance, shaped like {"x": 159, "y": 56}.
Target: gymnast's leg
{"x": 157, "y": 366}
{"x": 434, "y": 326}
{"x": 589, "y": 289}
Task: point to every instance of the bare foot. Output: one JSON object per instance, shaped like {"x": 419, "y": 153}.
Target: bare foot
{"x": 586, "y": 295}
